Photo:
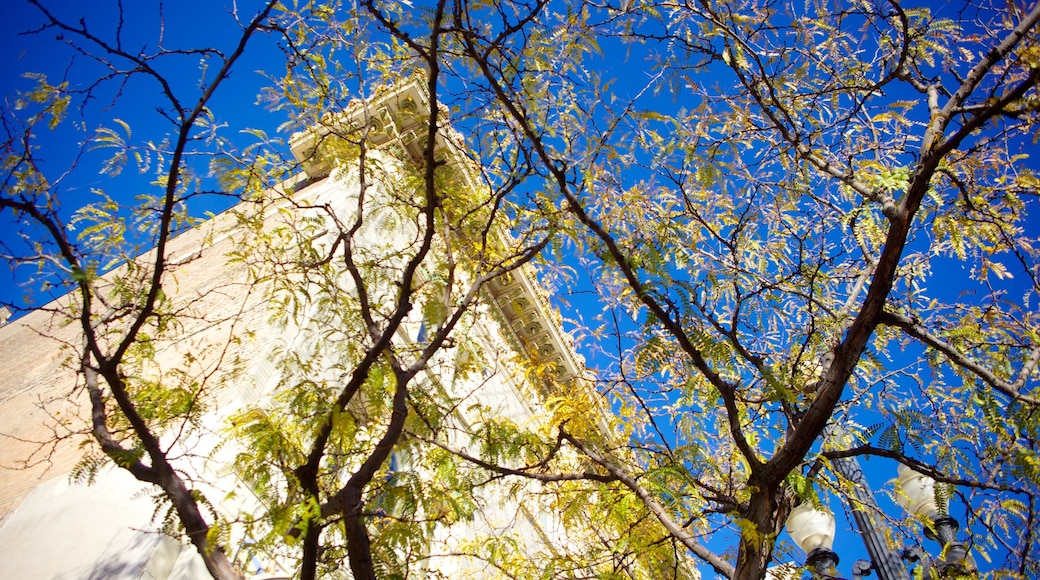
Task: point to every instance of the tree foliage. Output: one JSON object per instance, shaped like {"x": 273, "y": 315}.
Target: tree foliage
{"x": 782, "y": 235}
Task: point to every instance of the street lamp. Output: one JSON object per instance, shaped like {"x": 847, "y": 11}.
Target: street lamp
{"x": 915, "y": 492}
{"x": 813, "y": 531}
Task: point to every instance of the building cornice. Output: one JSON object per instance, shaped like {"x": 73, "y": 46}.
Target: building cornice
{"x": 396, "y": 119}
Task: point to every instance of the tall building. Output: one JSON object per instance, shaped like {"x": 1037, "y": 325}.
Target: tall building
{"x": 245, "y": 349}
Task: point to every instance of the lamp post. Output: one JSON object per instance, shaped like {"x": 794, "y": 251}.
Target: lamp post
{"x": 886, "y": 562}
{"x": 813, "y": 531}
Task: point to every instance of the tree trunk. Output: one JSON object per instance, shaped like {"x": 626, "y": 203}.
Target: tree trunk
{"x": 311, "y": 545}
{"x": 359, "y": 547}
{"x": 195, "y": 526}
{"x": 756, "y": 544}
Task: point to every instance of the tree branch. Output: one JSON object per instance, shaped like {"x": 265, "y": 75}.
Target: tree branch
{"x": 1013, "y": 390}
{"x": 721, "y": 566}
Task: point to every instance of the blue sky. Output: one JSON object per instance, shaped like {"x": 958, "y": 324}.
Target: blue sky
{"x": 187, "y": 25}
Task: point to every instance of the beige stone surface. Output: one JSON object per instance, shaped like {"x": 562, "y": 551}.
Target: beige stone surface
{"x": 42, "y": 400}
{"x": 222, "y": 318}
{"x": 37, "y": 390}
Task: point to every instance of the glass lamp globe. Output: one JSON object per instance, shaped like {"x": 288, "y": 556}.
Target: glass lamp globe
{"x": 811, "y": 528}
{"x": 916, "y": 493}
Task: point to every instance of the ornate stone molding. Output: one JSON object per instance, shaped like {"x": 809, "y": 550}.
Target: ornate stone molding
{"x": 396, "y": 120}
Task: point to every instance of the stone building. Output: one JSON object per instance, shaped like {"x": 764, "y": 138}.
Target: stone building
{"x": 52, "y": 527}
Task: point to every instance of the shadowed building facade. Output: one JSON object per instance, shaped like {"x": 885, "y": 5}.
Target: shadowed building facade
{"x": 234, "y": 347}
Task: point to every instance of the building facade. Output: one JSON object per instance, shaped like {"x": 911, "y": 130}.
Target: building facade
{"x": 244, "y": 350}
